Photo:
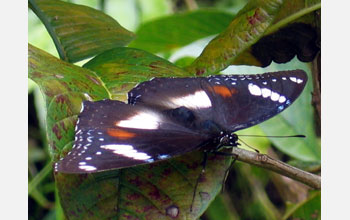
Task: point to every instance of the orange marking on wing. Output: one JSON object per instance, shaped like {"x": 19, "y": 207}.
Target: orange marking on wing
{"x": 224, "y": 91}
{"x": 118, "y": 133}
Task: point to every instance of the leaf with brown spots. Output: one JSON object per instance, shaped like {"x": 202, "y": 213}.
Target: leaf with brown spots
{"x": 64, "y": 87}
{"x": 155, "y": 191}
{"x": 121, "y": 68}
{"x": 254, "y": 21}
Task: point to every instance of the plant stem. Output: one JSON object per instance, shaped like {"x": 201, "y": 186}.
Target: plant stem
{"x": 291, "y": 18}
{"x": 39, "y": 177}
{"x": 264, "y": 161}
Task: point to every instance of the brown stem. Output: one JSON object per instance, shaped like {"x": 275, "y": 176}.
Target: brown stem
{"x": 264, "y": 161}
{"x": 316, "y": 80}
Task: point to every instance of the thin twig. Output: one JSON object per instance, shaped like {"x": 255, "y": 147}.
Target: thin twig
{"x": 264, "y": 161}
{"x": 39, "y": 177}
{"x": 316, "y": 81}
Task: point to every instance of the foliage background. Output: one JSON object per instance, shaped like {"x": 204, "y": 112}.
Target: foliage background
{"x": 250, "y": 192}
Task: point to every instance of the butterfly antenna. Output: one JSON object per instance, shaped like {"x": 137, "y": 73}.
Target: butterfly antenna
{"x": 252, "y": 135}
{"x": 256, "y": 150}
{"x": 288, "y": 136}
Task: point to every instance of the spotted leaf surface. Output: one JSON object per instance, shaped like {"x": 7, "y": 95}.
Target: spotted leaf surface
{"x": 255, "y": 20}
{"x": 295, "y": 31}
{"x": 122, "y": 68}
{"x": 78, "y": 31}
{"x": 155, "y": 191}
{"x": 64, "y": 87}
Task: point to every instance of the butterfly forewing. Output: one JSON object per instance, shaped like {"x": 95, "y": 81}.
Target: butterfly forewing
{"x": 234, "y": 102}
{"x": 246, "y": 100}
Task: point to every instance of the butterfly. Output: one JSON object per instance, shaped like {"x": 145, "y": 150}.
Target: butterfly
{"x": 168, "y": 117}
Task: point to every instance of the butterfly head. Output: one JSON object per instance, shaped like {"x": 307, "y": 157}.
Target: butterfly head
{"x": 228, "y": 139}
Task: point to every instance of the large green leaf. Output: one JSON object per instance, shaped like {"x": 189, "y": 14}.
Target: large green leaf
{"x": 122, "y": 68}
{"x": 308, "y": 209}
{"x": 78, "y": 31}
{"x": 153, "y": 191}
{"x": 177, "y": 30}
{"x": 248, "y": 26}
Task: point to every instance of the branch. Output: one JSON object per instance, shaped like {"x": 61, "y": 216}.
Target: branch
{"x": 316, "y": 81}
{"x": 264, "y": 161}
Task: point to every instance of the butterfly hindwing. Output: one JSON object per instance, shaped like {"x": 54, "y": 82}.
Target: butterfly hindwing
{"x": 111, "y": 134}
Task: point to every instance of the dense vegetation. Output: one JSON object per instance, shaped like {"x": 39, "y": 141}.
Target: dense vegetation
{"x": 118, "y": 44}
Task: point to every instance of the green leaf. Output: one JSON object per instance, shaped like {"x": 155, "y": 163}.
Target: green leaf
{"x": 122, "y": 68}
{"x": 308, "y": 209}
{"x": 64, "y": 87}
{"x": 153, "y": 191}
{"x": 144, "y": 192}
{"x": 249, "y": 25}
{"x": 291, "y": 12}
{"x": 178, "y": 30}
{"x": 78, "y": 31}
{"x": 221, "y": 208}
{"x": 245, "y": 29}
{"x": 184, "y": 61}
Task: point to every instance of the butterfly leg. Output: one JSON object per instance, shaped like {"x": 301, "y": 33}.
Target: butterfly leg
{"x": 235, "y": 156}
{"x": 204, "y": 164}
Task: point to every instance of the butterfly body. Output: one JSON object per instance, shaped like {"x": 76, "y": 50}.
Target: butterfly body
{"x": 167, "y": 117}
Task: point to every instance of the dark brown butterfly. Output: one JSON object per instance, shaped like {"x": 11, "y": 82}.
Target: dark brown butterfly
{"x": 167, "y": 117}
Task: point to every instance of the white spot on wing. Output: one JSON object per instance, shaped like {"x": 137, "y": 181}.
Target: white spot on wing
{"x": 265, "y": 92}
{"x": 88, "y": 97}
{"x": 87, "y": 167}
{"x": 163, "y": 156}
{"x": 294, "y": 79}
{"x": 254, "y": 89}
{"x": 282, "y": 99}
{"x": 126, "y": 150}
{"x": 275, "y": 96}
{"x": 142, "y": 120}
{"x": 82, "y": 108}
{"x": 199, "y": 99}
